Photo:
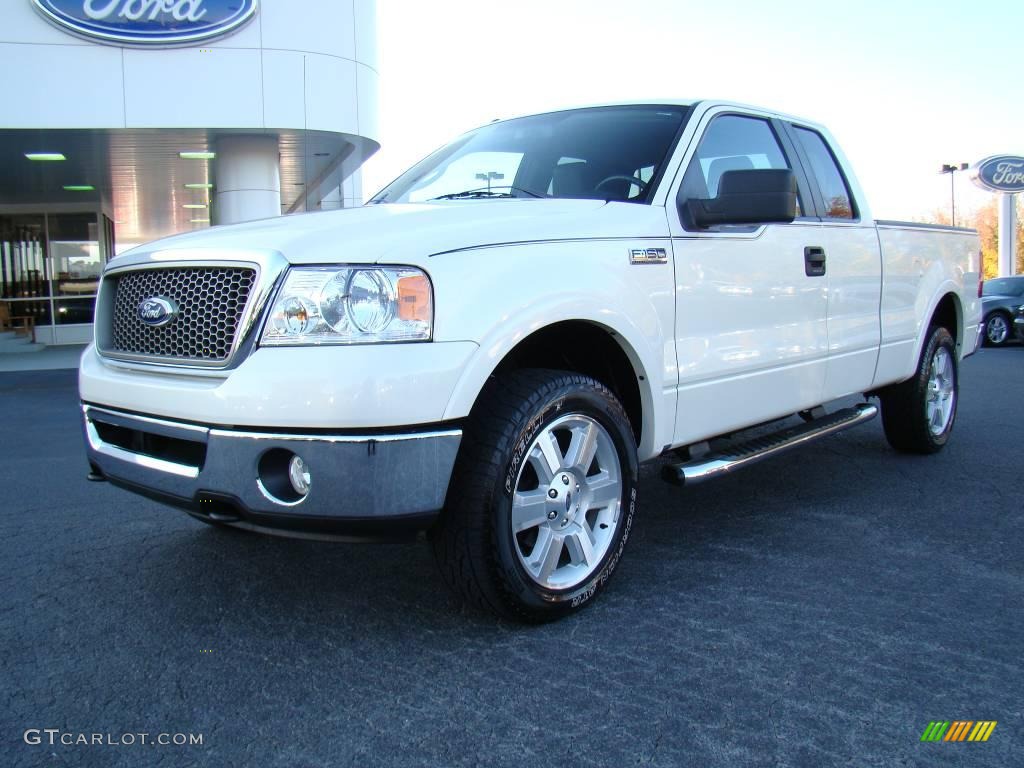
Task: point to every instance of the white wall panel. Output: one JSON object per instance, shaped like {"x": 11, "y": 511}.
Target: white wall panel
{"x": 190, "y": 88}
{"x": 324, "y": 27}
{"x": 330, "y": 88}
{"x": 366, "y": 33}
{"x": 284, "y": 96}
{"x": 19, "y": 22}
{"x": 292, "y": 67}
{"x": 368, "y": 90}
{"x": 61, "y": 86}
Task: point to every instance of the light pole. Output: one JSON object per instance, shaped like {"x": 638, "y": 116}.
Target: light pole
{"x": 951, "y": 170}
{"x": 489, "y": 176}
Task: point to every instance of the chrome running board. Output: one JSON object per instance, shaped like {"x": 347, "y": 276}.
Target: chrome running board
{"x": 752, "y": 451}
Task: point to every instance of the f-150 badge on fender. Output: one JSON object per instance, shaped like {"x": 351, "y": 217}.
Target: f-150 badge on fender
{"x": 647, "y": 256}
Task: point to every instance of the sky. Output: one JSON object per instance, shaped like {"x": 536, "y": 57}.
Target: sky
{"x": 904, "y": 86}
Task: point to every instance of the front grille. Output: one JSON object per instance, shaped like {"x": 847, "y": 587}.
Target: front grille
{"x": 210, "y": 303}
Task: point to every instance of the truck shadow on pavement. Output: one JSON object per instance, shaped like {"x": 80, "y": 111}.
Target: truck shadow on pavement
{"x": 683, "y": 543}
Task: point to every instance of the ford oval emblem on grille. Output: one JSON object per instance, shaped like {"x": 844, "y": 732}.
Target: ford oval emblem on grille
{"x": 157, "y": 311}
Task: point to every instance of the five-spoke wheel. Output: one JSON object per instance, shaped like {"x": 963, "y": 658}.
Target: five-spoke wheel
{"x": 997, "y": 329}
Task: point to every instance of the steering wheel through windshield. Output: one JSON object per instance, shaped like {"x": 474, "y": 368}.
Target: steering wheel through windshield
{"x": 623, "y": 177}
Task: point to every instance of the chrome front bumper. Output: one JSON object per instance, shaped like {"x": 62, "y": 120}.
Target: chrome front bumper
{"x": 226, "y": 473}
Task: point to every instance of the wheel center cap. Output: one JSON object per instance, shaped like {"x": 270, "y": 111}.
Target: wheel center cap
{"x": 566, "y": 501}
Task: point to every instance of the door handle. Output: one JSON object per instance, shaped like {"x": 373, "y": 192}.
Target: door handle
{"x": 814, "y": 261}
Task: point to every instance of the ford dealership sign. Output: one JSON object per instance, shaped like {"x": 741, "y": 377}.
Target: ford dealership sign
{"x": 1001, "y": 173}
{"x": 148, "y": 22}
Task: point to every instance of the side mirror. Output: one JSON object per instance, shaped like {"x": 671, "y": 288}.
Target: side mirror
{"x": 762, "y": 196}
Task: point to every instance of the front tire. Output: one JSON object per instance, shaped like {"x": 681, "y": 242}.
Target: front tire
{"x": 998, "y": 329}
{"x": 542, "y": 498}
{"x": 918, "y": 414}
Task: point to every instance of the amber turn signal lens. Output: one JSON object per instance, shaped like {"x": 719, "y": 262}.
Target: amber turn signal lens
{"x": 414, "y": 298}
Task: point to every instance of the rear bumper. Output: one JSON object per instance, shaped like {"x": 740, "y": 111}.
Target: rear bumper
{"x": 360, "y": 484}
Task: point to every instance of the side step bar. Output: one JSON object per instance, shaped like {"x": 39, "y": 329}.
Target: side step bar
{"x": 750, "y": 452}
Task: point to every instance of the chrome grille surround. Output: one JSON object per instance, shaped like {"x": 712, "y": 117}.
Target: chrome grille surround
{"x": 219, "y": 302}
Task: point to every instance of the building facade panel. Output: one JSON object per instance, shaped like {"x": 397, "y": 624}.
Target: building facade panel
{"x": 365, "y": 23}
{"x": 323, "y": 28}
{"x": 61, "y": 86}
{"x": 159, "y": 91}
{"x": 367, "y": 94}
{"x": 327, "y": 77}
{"x": 282, "y": 101}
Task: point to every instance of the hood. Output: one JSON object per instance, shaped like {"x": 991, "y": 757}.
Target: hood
{"x": 409, "y": 233}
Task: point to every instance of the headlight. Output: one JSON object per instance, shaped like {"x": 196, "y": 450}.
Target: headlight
{"x": 351, "y": 305}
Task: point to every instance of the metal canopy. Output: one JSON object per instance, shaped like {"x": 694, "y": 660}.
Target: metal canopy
{"x": 139, "y": 178}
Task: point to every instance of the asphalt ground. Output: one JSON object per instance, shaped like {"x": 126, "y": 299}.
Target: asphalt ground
{"x": 819, "y": 609}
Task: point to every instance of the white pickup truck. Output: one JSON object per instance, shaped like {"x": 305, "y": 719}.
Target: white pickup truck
{"x": 488, "y": 349}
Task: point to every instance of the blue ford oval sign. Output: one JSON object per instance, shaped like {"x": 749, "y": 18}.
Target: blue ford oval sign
{"x": 148, "y": 22}
{"x": 157, "y": 311}
{"x": 1001, "y": 173}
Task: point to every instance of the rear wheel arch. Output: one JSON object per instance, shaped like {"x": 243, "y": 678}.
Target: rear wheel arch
{"x": 948, "y": 314}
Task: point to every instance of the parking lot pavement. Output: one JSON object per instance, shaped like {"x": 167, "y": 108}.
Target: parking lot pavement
{"x": 819, "y": 609}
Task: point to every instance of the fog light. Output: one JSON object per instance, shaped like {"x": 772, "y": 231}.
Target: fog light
{"x": 298, "y": 475}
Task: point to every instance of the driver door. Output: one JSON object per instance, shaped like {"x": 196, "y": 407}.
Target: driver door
{"x": 751, "y": 336}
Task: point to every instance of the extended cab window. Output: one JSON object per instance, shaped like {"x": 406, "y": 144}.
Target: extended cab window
{"x": 733, "y": 143}
{"x": 833, "y": 187}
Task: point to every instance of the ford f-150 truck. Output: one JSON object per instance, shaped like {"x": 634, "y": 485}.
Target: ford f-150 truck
{"x": 488, "y": 349}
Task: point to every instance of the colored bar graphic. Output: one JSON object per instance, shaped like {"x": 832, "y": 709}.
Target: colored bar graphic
{"x": 959, "y": 730}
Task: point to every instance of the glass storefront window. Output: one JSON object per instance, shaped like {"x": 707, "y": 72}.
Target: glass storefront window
{"x": 23, "y": 257}
{"x": 50, "y": 265}
{"x": 69, "y": 311}
{"x": 74, "y": 254}
{"x": 39, "y": 309}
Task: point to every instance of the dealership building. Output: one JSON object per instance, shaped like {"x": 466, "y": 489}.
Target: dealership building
{"x": 128, "y": 120}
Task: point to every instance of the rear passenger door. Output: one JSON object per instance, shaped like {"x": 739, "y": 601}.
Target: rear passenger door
{"x": 853, "y": 267}
{"x": 751, "y": 337}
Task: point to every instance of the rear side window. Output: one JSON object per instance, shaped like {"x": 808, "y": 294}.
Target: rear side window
{"x": 838, "y": 203}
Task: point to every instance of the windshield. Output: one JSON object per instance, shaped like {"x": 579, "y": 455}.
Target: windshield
{"x": 600, "y": 153}
{"x": 1005, "y": 286}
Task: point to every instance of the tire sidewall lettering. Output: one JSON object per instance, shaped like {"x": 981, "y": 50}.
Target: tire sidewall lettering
{"x": 533, "y": 426}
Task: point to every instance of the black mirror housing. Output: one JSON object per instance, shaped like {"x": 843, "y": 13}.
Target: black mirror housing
{"x": 760, "y": 196}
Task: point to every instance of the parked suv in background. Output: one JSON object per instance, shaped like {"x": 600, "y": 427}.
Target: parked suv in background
{"x": 1000, "y": 300}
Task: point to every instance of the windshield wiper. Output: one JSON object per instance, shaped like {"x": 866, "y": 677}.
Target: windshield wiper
{"x": 482, "y": 192}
